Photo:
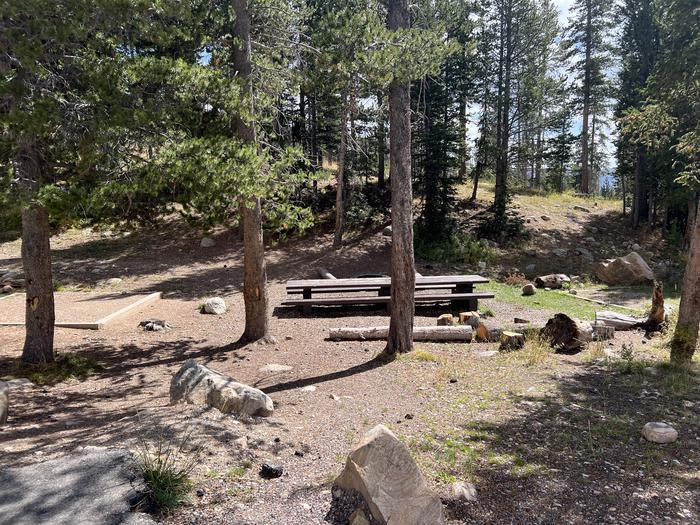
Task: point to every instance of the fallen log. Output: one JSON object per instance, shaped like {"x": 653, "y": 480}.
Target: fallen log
{"x": 553, "y": 281}
{"x": 325, "y": 274}
{"x": 420, "y": 333}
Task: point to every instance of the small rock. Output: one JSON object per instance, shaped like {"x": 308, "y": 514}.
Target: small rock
{"x": 487, "y": 353}
{"x": 7, "y": 289}
{"x": 334, "y": 397}
{"x": 636, "y": 247}
{"x": 582, "y": 208}
{"x": 310, "y": 388}
{"x": 408, "y": 416}
{"x": 200, "y": 493}
{"x": 462, "y": 490}
{"x": 207, "y": 242}
{"x": 299, "y": 453}
{"x": 154, "y": 325}
{"x": 387, "y": 231}
{"x": 519, "y": 320}
{"x": 453, "y": 380}
{"x": 560, "y": 252}
{"x": 288, "y": 338}
{"x": 545, "y": 218}
{"x": 529, "y": 289}
{"x": 113, "y": 281}
{"x": 214, "y": 306}
{"x": 572, "y": 291}
{"x": 481, "y": 265}
{"x": 241, "y": 443}
{"x": 270, "y": 471}
{"x": 658, "y": 432}
{"x": 273, "y": 368}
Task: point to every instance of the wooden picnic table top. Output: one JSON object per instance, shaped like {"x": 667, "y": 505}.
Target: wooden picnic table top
{"x": 385, "y": 281}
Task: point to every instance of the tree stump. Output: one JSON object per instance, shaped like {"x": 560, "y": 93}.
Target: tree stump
{"x": 487, "y": 332}
{"x": 511, "y": 341}
{"x": 446, "y": 320}
{"x": 567, "y": 334}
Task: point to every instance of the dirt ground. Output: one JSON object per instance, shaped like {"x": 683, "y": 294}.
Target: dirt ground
{"x": 545, "y": 438}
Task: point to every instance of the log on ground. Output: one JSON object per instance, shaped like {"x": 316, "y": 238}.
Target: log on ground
{"x": 420, "y": 333}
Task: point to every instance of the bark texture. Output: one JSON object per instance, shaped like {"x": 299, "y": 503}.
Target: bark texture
{"x": 36, "y": 259}
{"x": 585, "y": 161}
{"x": 403, "y": 276}
{"x": 254, "y": 271}
{"x": 685, "y": 337}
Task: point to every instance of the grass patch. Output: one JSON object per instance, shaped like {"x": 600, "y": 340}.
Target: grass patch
{"x": 422, "y": 356}
{"x": 166, "y": 470}
{"x": 536, "y": 352}
{"x": 550, "y": 300}
{"x": 66, "y": 366}
{"x": 239, "y": 471}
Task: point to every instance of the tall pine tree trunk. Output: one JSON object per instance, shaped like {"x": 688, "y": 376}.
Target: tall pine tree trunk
{"x": 403, "y": 275}
{"x": 640, "y": 201}
{"x": 587, "y": 77}
{"x": 254, "y": 271}
{"x": 381, "y": 143}
{"x": 340, "y": 174}
{"x": 685, "y": 337}
{"x": 501, "y": 191}
{"x": 36, "y": 259}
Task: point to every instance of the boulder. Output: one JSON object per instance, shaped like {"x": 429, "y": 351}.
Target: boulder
{"x": 4, "y": 402}
{"x": 630, "y": 269}
{"x": 386, "y": 232}
{"x": 554, "y": 281}
{"x": 215, "y": 306}
{"x": 464, "y": 491}
{"x": 207, "y": 242}
{"x": 382, "y": 470}
{"x": 195, "y": 383}
{"x": 657, "y": 432}
{"x": 529, "y": 289}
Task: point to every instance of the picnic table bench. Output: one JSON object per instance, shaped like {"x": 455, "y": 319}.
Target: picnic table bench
{"x": 429, "y": 289}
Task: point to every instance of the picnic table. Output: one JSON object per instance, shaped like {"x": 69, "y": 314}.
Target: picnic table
{"x": 340, "y": 292}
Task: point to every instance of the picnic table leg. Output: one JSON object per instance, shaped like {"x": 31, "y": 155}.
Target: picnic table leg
{"x": 385, "y": 291}
{"x": 306, "y": 294}
{"x": 472, "y": 304}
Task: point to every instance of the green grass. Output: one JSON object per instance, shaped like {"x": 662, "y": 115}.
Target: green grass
{"x": 550, "y": 300}
{"x": 66, "y": 366}
{"x": 166, "y": 470}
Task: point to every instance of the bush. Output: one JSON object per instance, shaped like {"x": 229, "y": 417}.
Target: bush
{"x": 456, "y": 247}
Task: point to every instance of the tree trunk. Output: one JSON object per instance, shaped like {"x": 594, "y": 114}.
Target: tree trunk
{"x": 254, "y": 272}
{"x": 640, "y": 202}
{"x": 403, "y": 276}
{"x": 585, "y": 162}
{"x": 462, "y": 162}
{"x": 381, "y": 143}
{"x": 340, "y": 174}
{"x": 685, "y": 337}
{"x": 36, "y": 259}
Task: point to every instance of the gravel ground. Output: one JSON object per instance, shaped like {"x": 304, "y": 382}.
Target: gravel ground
{"x": 546, "y": 438}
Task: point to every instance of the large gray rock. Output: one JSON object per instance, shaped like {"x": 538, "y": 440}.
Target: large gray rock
{"x": 195, "y": 383}
{"x": 96, "y": 486}
{"x": 382, "y": 470}
{"x": 4, "y": 402}
{"x": 657, "y": 432}
{"x": 630, "y": 269}
{"x": 215, "y": 306}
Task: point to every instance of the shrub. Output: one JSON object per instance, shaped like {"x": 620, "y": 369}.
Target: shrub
{"x": 455, "y": 247}
{"x": 166, "y": 470}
